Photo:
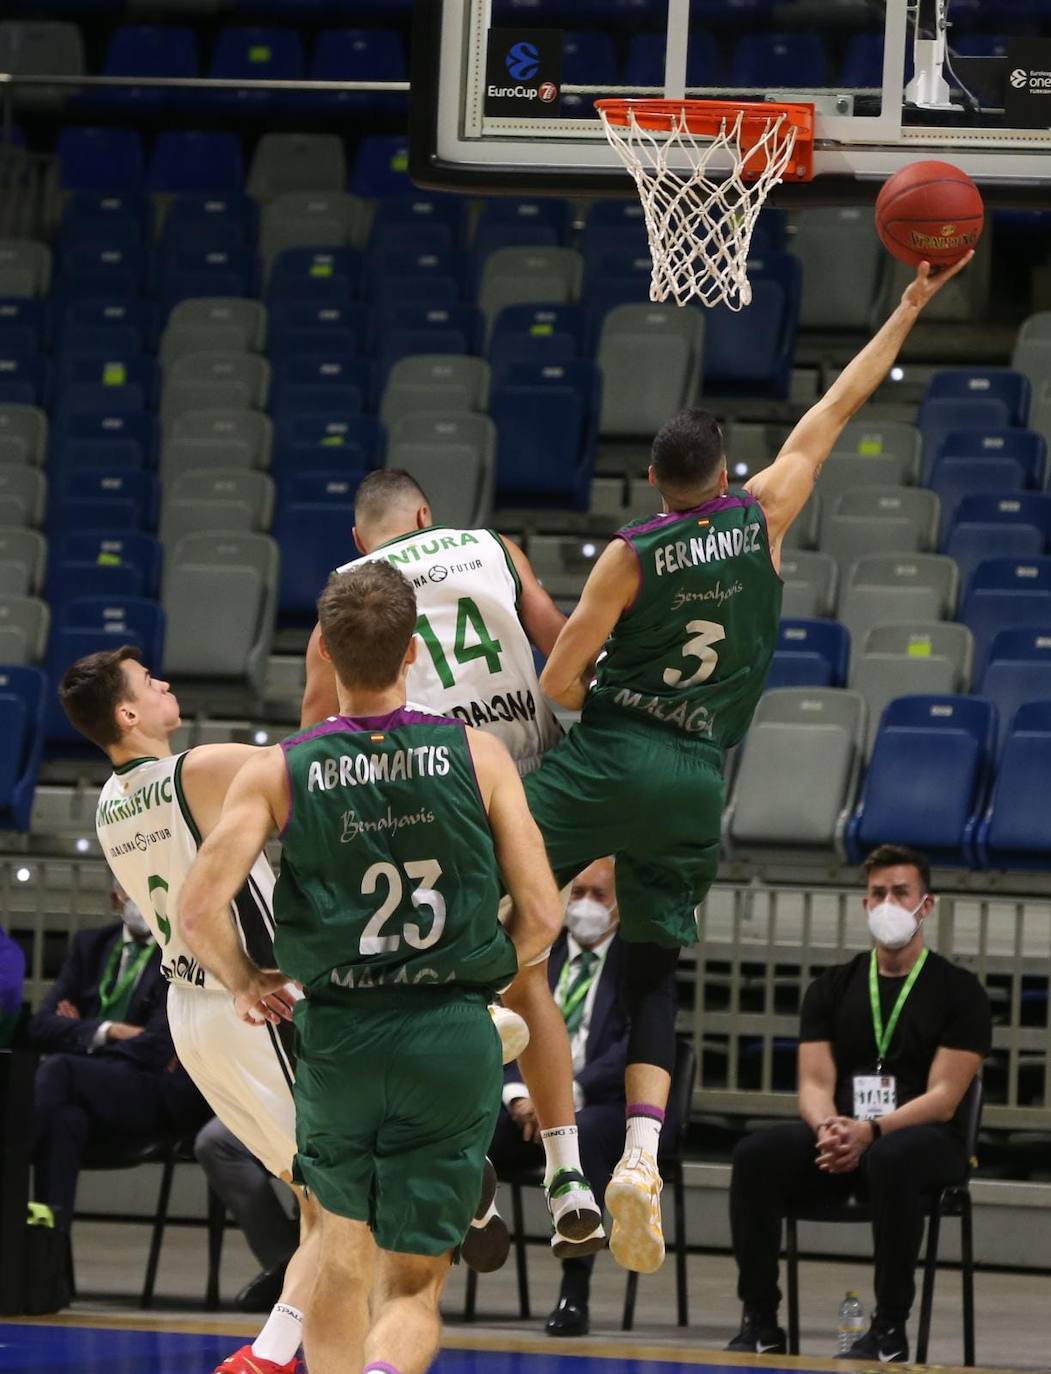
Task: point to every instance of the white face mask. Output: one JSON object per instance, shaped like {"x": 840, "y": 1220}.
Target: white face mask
{"x": 134, "y": 920}
{"x": 892, "y": 926}
{"x": 588, "y": 920}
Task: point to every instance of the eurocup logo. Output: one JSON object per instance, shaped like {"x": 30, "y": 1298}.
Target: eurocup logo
{"x": 523, "y": 61}
{"x": 1019, "y": 78}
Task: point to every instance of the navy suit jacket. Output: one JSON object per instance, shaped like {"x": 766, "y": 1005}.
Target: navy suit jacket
{"x": 78, "y": 982}
{"x": 606, "y": 1053}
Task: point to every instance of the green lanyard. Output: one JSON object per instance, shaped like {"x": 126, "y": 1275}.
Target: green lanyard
{"x": 118, "y": 991}
{"x": 580, "y": 991}
{"x": 884, "y": 1037}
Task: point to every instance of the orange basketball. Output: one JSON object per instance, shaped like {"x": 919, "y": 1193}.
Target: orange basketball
{"x": 929, "y": 211}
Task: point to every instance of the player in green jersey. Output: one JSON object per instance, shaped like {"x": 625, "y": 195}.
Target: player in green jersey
{"x": 667, "y": 653}
{"x": 398, "y": 828}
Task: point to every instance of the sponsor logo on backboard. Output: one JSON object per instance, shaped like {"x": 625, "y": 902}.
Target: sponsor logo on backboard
{"x": 523, "y": 74}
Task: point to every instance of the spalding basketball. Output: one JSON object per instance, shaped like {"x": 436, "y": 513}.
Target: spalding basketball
{"x": 929, "y": 211}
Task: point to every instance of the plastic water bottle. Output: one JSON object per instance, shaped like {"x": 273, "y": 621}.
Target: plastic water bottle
{"x": 851, "y": 1321}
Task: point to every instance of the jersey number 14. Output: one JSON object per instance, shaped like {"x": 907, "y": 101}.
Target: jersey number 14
{"x": 468, "y": 616}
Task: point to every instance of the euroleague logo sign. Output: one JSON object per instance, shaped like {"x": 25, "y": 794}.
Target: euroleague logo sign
{"x": 523, "y": 72}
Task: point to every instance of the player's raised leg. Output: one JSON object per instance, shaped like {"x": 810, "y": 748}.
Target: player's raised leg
{"x": 406, "y": 1322}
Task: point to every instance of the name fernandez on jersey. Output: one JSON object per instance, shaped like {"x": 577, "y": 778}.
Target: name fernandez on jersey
{"x": 715, "y": 547}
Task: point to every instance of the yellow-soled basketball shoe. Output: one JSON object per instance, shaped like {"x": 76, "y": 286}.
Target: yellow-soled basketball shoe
{"x": 633, "y": 1198}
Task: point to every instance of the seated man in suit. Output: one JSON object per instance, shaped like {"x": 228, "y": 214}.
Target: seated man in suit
{"x": 586, "y": 972}
{"x": 110, "y": 1071}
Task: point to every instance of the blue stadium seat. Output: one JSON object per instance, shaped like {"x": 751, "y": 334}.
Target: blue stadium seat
{"x": 315, "y": 382}
{"x": 779, "y": 61}
{"x": 90, "y": 398}
{"x": 1005, "y": 593}
{"x": 105, "y": 318}
{"x": 25, "y": 379}
{"x": 322, "y": 486}
{"x": 84, "y": 493}
{"x": 314, "y": 537}
{"x": 983, "y": 384}
{"x": 195, "y": 162}
{"x": 646, "y": 52}
{"x": 328, "y": 441}
{"x": 357, "y": 55}
{"x": 939, "y": 418}
{"x": 101, "y": 159}
{"x": 245, "y": 53}
{"x": 26, "y": 318}
{"x": 192, "y": 217}
{"x": 863, "y": 61}
{"x": 750, "y": 351}
{"x": 104, "y": 439}
{"x": 589, "y": 58}
{"x": 189, "y": 273}
{"x": 90, "y": 215}
{"x": 927, "y": 778}
{"x": 536, "y": 323}
{"x": 23, "y": 693}
{"x": 983, "y": 44}
{"x": 107, "y": 367}
{"x": 614, "y": 277}
{"x": 1015, "y": 832}
{"x": 971, "y": 543}
{"x": 810, "y": 653}
{"x": 408, "y": 329}
{"x": 398, "y": 276}
{"x": 139, "y": 618}
{"x": 128, "y": 550}
{"x": 297, "y": 326}
{"x": 1017, "y": 671}
{"x": 330, "y": 275}
{"x": 518, "y": 223}
{"x": 165, "y": 50}
{"x": 418, "y": 223}
{"x": 95, "y": 270}
{"x": 1013, "y": 508}
{"x": 70, "y": 577}
{"x": 381, "y": 166}
{"x": 1023, "y": 446}
{"x": 616, "y": 228}
{"x": 546, "y": 417}
{"x": 955, "y": 478}
{"x": 19, "y": 341}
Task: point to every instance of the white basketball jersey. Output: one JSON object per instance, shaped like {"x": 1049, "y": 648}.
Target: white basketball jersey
{"x": 150, "y": 840}
{"x": 474, "y": 660}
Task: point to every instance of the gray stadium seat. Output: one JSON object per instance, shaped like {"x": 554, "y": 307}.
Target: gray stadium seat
{"x": 798, "y": 772}
{"x": 208, "y": 381}
{"x": 23, "y": 495}
{"x": 870, "y": 437}
{"x": 803, "y": 531}
{"x": 23, "y": 554}
{"x": 529, "y": 276}
{"x": 846, "y": 472}
{"x": 215, "y": 499}
{"x": 650, "y": 358}
{"x": 23, "y": 435}
{"x": 453, "y": 457}
{"x": 562, "y": 562}
{"x": 874, "y": 519}
{"x": 898, "y": 589}
{"x": 24, "y": 625}
{"x": 224, "y": 324}
{"x": 311, "y": 219}
{"x": 963, "y": 300}
{"x": 811, "y": 581}
{"x": 296, "y": 162}
{"x": 904, "y": 660}
{"x": 642, "y": 500}
{"x": 219, "y": 593}
{"x": 25, "y": 268}
{"x": 842, "y": 262}
{"x": 433, "y": 382}
{"x": 221, "y": 437}
{"x": 606, "y": 501}
{"x": 1032, "y": 357}
{"x": 41, "y": 49}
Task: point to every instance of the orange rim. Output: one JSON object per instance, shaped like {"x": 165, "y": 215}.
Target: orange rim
{"x": 709, "y": 117}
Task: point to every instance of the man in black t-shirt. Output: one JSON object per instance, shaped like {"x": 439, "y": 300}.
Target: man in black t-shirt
{"x": 889, "y": 1044}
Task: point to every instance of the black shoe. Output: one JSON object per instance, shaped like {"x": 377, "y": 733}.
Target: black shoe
{"x": 485, "y": 1248}
{"x": 260, "y": 1294}
{"x": 759, "y": 1336}
{"x": 882, "y": 1341}
{"x": 568, "y": 1319}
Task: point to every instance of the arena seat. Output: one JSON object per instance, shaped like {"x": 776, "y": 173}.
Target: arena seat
{"x": 413, "y": 329}
{"x": 311, "y": 219}
{"x": 322, "y": 381}
{"x": 1017, "y": 671}
{"x": 810, "y": 653}
{"x": 778, "y": 60}
{"x": 453, "y": 457}
{"x": 297, "y": 326}
{"x": 314, "y": 537}
{"x": 93, "y": 215}
{"x": 444, "y": 382}
{"x": 1015, "y": 832}
{"x": 296, "y": 162}
{"x": 419, "y": 222}
{"x": 811, "y": 581}
{"x": 100, "y": 159}
{"x": 24, "y": 625}
{"x": 870, "y": 438}
{"x": 75, "y": 494}
{"x": 25, "y": 268}
{"x": 940, "y": 417}
{"x": 196, "y": 162}
{"x": 649, "y": 357}
{"x": 194, "y": 216}
{"x": 589, "y": 58}
{"x": 23, "y": 496}
{"x": 42, "y": 48}
{"x": 645, "y": 60}
{"x": 234, "y": 437}
{"x": 546, "y": 419}
{"x": 107, "y": 367}
{"x": 225, "y": 324}
{"x": 517, "y": 223}
{"x": 798, "y": 772}
{"x": 164, "y": 50}
{"x": 24, "y": 691}
{"x": 129, "y": 551}
{"x": 100, "y": 319}
{"x": 381, "y": 166}
{"x": 252, "y": 53}
{"x": 323, "y": 274}
{"x": 897, "y": 589}
{"x": 1022, "y": 446}
{"x": 978, "y": 384}
{"x": 23, "y": 434}
{"x": 562, "y": 563}
{"x": 333, "y": 442}
{"x": 529, "y": 276}
{"x": 910, "y": 660}
{"x": 208, "y": 381}
{"x": 750, "y": 352}
{"x": 357, "y": 55}
{"x": 1005, "y": 593}
{"x": 25, "y": 379}
{"x": 927, "y": 778}
{"x": 25, "y": 324}
{"x": 842, "y": 260}
{"x": 872, "y": 520}
{"x": 955, "y": 478}
{"x": 103, "y": 438}
{"x": 216, "y": 499}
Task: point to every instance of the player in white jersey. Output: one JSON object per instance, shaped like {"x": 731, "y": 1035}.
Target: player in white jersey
{"x": 480, "y": 610}
{"x": 151, "y": 817}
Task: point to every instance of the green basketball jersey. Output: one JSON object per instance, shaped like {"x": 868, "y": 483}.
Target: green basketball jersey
{"x": 692, "y": 652}
{"x": 388, "y": 871}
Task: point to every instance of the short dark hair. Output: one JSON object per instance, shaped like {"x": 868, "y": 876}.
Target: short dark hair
{"x": 367, "y": 616}
{"x": 888, "y": 855}
{"x": 384, "y": 489}
{"x": 91, "y": 690}
{"x": 688, "y": 452}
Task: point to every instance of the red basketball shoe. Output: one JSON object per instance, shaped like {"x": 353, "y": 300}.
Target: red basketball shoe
{"x": 244, "y": 1362}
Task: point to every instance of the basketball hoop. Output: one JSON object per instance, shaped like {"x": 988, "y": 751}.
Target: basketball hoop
{"x": 700, "y": 225}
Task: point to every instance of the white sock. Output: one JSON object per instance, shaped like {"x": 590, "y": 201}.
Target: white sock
{"x": 562, "y": 1148}
{"x": 643, "y": 1133}
{"x": 282, "y": 1335}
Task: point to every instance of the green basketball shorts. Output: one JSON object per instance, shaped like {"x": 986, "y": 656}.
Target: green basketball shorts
{"x": 651, "y": 799}
{"x": 396, "y": 1101}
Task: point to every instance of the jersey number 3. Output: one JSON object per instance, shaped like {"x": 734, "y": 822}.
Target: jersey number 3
{"x": 425, "y": 874}
{"x": 704, "y": 633}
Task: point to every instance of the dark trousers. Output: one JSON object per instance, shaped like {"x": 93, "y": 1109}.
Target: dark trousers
{"x": 78, "y": 1100}
{"x": 776, "y": 1168}
{"x": 600, "y": 1129}
{"x": 247, "y": 1191}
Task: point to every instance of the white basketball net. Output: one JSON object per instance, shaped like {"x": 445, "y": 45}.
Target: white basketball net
{"x": 700, "y": 227}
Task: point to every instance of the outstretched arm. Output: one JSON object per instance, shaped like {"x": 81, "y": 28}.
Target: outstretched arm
{"x": 784, "y": 487}
{"x": 256, "y": 805}
{"x": 540, "y": 616}
{"x": 611, "y": 587}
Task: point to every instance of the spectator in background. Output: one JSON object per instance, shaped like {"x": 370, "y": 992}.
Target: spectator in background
{"x": 890, "y": 1042}
{"x": 110, "y": 1072}
{"x": 12, "y": 981}
{"x": 250, "y": 1193}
